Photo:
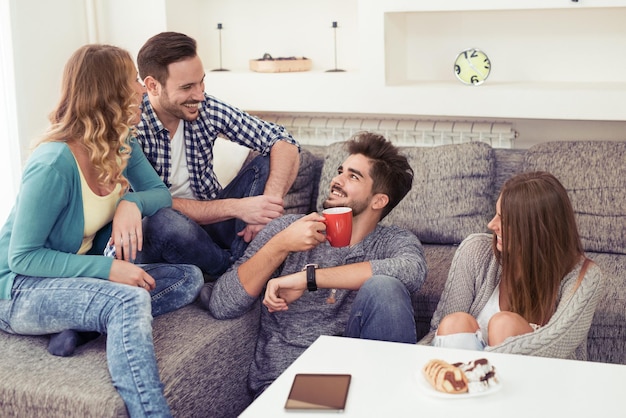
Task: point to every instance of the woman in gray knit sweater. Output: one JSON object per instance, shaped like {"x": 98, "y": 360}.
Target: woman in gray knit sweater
{"x": 528, "y": 288}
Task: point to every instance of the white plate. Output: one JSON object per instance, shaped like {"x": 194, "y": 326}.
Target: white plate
{"x": 429, "y": 390}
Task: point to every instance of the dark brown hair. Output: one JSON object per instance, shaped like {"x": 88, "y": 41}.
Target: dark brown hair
{"x": 391, "y": 173}
{"x": 540, "y": 243}
{"x": 160, "y": 51}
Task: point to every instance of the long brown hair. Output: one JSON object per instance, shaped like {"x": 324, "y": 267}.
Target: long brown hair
{"x": 540, "y": 243}
{"x": 97, "y": 108}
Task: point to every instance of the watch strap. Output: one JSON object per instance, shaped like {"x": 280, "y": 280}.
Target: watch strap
{"x": 311, "y": 283}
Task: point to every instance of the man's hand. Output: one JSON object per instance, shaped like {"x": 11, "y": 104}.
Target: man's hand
{"x": 250, "y": 231}
{"x": 304, "y": 234}
{"x": 260, "y": 210}
{"x": 280, "y": 292}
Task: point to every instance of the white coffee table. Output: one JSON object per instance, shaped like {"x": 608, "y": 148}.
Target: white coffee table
{"x": 385, "y": 384}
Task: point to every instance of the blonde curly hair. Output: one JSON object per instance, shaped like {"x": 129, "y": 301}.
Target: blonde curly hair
{"x": 97, "y": 107}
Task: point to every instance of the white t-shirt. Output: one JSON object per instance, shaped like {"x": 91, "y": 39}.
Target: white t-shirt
{"x": 179, "y": 176}
{"x": 491, "y": 308}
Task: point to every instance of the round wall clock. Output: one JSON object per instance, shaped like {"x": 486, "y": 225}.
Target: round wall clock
{"x": 472, "y": 66}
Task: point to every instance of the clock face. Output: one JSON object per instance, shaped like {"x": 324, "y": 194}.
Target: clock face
{"x": 472, "y": 66}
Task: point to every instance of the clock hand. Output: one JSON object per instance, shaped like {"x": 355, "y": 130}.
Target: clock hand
{"x": 474, "y": 68}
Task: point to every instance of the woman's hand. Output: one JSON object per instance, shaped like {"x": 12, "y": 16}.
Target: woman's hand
{"x": 127, "y": 233}
{"x": 130, "y": 274}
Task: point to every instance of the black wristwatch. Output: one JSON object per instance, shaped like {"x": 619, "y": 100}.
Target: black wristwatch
{"x": 311, "y": 284}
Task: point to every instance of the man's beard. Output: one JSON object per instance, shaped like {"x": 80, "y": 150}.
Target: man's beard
{"x": 173, "y": 109}
{"x": 357, "y": 207}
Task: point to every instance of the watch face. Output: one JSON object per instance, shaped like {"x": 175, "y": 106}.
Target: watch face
{"x": 472, "y": 66}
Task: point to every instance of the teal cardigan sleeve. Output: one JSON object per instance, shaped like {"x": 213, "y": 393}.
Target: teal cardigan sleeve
{"x": 149, "y": 192}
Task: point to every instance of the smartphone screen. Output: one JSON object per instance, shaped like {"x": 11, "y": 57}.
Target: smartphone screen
{"x": 319, "y": 391}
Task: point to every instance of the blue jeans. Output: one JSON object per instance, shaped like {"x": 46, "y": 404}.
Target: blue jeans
{"x": 461, "y": 340}
{"x": 42, "y": 306}
{"x": 171, "y": 237}
{"x": 382, "y": 310}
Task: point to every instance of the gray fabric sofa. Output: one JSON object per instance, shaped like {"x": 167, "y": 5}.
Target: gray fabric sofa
{"x": 204, "y": 362}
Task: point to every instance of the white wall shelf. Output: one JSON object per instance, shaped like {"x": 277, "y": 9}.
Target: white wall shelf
{"x": 551, "y": 59}
{"x": 352, "y": 93}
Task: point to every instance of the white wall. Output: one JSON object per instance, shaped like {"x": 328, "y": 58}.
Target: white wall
{"x": 45, "y": 33}
{"x": 281, "y": 28}
{"x": 129, "y": 23}
{"x": 10, "y": 166}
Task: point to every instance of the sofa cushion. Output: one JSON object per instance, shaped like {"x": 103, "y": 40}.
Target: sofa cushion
{"x": 203, "y": 363}
{"x": 303, "y": 193}
{"x": 228, "y": 158}
{"x": 430, "y": 210}
{"x": 608, "y": 329}
{"x": 594, "y": 174}
{"x": 425, "y": 300}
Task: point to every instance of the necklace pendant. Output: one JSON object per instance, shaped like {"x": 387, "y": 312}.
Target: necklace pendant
{"x": 331, "y": 298}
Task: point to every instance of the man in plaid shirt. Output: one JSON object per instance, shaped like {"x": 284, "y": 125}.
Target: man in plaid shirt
{"x": 208, "y": 225}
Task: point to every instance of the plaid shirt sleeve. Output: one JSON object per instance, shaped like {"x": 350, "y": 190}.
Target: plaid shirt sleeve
{"x": 216, "y": 118}
{"x": 241, "y": 127}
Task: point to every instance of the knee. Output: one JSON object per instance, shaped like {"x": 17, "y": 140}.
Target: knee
{"x": 261, "y": 166}
{"x": 196, "y": 278}
{"x": 383, "y": 294}
{"x": 505, "y": 320}
{"x": 167, "y": 220}
{"x": 384, "y": 287}
{"x": 506, "y": 324}
{"x": 133, "y": 302}
{"x": 140, "y": 297}
{"x": 458, "y": 322}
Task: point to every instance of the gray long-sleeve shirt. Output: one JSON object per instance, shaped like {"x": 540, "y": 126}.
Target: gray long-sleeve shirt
{"x": 285, "y": 335}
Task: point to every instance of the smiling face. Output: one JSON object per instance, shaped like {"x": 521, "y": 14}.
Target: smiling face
{"x": 352, "y": 186}
{"x": 182, "y": 93}
{"x": 496, "y": 225}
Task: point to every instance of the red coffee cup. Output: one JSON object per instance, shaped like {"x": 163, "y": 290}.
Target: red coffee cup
{"x": 338, "y": 226}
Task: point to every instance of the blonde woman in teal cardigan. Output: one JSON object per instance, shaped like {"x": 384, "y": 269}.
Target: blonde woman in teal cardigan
{"x": 75, "y": 195}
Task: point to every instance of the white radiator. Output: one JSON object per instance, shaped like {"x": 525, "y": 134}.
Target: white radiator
{"x": 316, "y": 130}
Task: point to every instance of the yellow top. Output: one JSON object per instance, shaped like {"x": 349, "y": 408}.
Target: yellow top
{"x": 98, "y": 211}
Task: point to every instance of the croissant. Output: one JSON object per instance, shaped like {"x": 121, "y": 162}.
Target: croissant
{"x": 445, "y": 377}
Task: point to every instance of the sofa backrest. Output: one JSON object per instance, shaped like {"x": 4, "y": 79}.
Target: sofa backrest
{"x": 594, "y": 174}
{"x": 456, "y": 186}
{"x": 452, "y": 194}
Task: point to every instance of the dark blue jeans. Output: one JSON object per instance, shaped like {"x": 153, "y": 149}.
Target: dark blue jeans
{"x": 171, "y": 237}
{"x": 382, "y": 310}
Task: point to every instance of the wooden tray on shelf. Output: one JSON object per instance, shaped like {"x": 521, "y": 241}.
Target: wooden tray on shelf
{"x": 280, "y": 65}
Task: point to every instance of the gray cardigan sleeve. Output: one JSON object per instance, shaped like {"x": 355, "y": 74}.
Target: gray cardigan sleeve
{"x": 565, "y": 335}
